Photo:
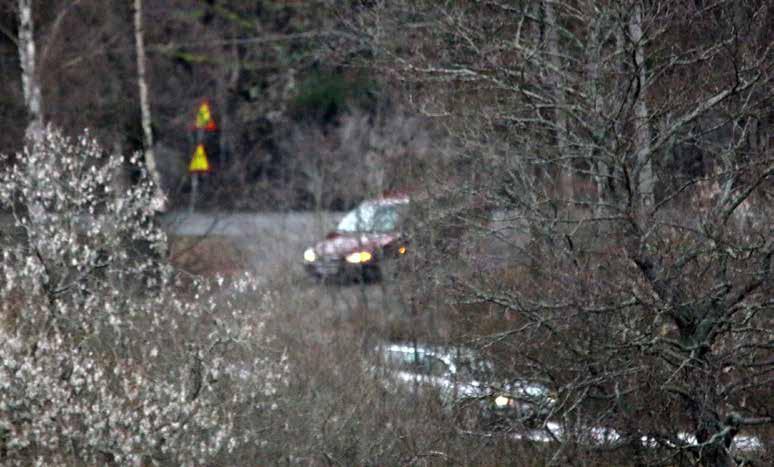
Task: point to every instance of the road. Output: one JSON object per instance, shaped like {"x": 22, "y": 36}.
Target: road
{"x": 273, "y": 241}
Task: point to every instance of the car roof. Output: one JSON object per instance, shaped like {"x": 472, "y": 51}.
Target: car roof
{"x": 449, "y": 355}
{"x": 387, "y": 200}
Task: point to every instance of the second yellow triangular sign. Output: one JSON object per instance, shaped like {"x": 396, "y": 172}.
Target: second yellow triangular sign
{"x": 199, "y": 162}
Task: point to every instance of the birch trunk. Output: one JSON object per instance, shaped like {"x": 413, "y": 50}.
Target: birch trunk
{"x": 150, "y": 158}
{"x": 644, "y": 165}
{"x": 30, "y": 82}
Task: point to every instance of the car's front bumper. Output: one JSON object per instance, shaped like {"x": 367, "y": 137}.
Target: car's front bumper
{"x": 336, "y": 268}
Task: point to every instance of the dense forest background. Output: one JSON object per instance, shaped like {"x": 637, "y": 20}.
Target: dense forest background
{"x": 320, "y": 103}
{"x": 299, "y": 116}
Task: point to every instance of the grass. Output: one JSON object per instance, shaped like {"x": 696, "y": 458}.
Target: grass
{"x": 206, "y": 256}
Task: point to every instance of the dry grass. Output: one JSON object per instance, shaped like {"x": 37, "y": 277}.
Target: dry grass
{"x": 333, "y": 413}
{"x": 206, "y": 256}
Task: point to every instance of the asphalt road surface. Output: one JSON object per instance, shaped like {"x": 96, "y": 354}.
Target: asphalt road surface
{"x": 272, "y": 242}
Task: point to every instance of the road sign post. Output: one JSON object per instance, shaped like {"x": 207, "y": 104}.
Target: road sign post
{"x": 194, "y": 189}
{"x": 199, "y": 162}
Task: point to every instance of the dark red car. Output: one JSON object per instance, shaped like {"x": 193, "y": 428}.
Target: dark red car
{"x": 364, "y": 240}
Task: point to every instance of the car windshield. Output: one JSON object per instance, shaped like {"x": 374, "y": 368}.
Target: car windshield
{"x": 460, "y": 363}
{"x": 371, "y": 217}
{"x": 416, "y": 362}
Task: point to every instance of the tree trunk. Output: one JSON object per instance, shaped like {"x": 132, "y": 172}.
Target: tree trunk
{"x": 30, "y": 82}
{"x": 703, "y": 406}
{"x": 555, "y": 82}
{"x": 597, "y": 158}
{"x": 646, "y": 179}
{"x": 150, "y": 159}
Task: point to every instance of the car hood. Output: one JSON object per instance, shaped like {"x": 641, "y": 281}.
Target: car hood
{"x": 341, "y": 244}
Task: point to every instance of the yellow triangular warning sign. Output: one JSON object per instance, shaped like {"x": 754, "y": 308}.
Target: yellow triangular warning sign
{"x": 204, "y": 120}
{"x": 199, "y": 162}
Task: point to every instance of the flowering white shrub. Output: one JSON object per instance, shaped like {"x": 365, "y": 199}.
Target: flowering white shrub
{"x": 106, "y": 355}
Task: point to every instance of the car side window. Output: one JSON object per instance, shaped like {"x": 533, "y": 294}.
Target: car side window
{"x": 357, "y": 220}
{"x": 385, "y": 219}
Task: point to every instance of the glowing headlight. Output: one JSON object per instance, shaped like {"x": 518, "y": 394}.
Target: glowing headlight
{"x": 359, "y": 257}
{"x": 309, "y": 255}
{"x": 502, "y": 401}
{"x": 402, "y": 250}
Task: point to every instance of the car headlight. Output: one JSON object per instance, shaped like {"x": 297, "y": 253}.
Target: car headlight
{"x": 309, "y": 255}
{"x": 359, "y": 257}
{"x": 502, "y": 401}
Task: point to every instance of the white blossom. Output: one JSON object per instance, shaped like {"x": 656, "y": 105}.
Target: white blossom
{"x": 89, "y": 308}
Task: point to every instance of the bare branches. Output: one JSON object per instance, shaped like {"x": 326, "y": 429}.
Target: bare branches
{"x": 593, "y": 289}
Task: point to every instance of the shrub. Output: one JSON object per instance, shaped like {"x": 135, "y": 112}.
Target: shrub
{"x": 106, "y": 355}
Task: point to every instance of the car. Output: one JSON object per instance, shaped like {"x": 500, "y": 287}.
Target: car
{"x": 365, "y": 240}
{"x": 463, "y": 379}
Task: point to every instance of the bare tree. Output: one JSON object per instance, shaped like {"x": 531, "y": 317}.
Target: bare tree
{"x": 142, "y": 84}
{"x": 644, "y": 167}
{"x": 30, "y": 79}
{"x": 647, "y": 311}
{"x": 554, "y": 81}
{"x": 363, "y": 156}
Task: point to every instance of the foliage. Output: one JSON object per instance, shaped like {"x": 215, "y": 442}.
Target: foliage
{"x": 107, "y": 356}
{"x": 320, "y": 97}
